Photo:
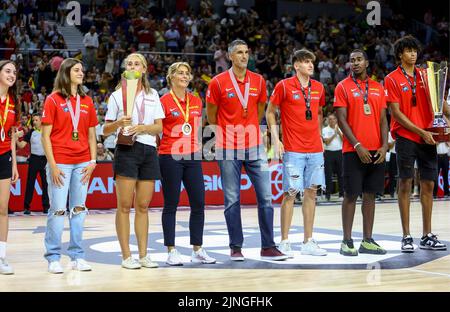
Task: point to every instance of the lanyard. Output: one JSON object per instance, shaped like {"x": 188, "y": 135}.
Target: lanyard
{"x": 3, "y": 119}
{"x": 412, "y": 85}
{"x": 242, "y": 99}
{"x": 75, "y": 116}
{"x": 366, "y": 94}
{"x": 141, "y": 111}
{"x": 5, "y": 113}
{"x": 307, "y": 98}
{"x": 185, "y": 114}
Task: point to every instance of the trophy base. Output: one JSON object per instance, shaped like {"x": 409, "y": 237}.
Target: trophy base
{"x": 123, "y": 139}
{"x": 442, "y": 134}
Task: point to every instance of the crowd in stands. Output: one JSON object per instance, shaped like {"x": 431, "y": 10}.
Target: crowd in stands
{"x": 114, "y": 29}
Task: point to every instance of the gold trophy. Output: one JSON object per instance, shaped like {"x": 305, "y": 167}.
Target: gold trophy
{"x": 130, "y": 82}
{"x": 434, "y": 78}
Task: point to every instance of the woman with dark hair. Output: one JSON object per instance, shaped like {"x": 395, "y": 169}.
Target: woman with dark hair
{"x": 136, "y": 166}
{"x": 9, "y": 117}
{"x": 69, "y": 141}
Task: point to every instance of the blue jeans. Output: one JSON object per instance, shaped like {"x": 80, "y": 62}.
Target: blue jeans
{"x": 58, "y": 201}
{"x": 255, "y": 165}
{"x": 302, "y": 170}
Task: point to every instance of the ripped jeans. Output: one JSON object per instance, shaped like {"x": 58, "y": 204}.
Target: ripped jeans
{"x": 77, "y": 192}
{"x": 301, "y": 171}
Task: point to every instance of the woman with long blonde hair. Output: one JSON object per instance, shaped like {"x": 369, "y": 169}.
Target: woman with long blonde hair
{"x": 136, "y": 166}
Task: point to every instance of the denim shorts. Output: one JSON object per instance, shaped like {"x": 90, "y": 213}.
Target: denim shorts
{"x": 302, "y": 170}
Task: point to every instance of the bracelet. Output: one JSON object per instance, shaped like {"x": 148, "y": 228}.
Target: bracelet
{"x": 356, "y": 145}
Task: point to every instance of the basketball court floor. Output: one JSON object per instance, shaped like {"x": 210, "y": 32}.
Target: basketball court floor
{"x": 420, "y": 271}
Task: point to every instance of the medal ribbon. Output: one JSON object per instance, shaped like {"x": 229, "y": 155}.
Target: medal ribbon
{"x": 242, "y": 99}
{"x": 4, "y": 118}
{"x": 307, "y": 98}
{"x": 412, "y": 85}
{"x": 366, "y": 94}
{"x": 141, "y": 111}
{"x": 74, "y": 116}
{"x": 185, "y": 114}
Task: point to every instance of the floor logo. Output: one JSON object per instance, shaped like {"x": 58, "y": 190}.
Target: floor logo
{"x": 106, "y": 250}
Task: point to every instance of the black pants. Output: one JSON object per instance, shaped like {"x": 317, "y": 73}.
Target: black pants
{"x": 333, "y": 164}
{"x": 173, "y": 172}
{"x": 393, "y": 173}
{"x": 442, "y": 165}
{"x": 36, "y": 164}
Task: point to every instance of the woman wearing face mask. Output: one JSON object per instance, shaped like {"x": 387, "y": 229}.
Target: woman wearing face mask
{"x": 136, "y": 166}
{"x": 70, "y": 146}
{"x": 9, "y": 117}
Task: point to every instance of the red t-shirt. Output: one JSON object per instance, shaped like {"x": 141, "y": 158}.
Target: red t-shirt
{"x": 399, "y": 91}
{"x": 5, "y": 146}
{"x": 233, "y": 130}
{"x": 299, "y": 135}
{"x": 173, "y": 140}
{"x": 56, "y": 113}
{"x": 26, "y": 151}
{"x": 366, "y": 128}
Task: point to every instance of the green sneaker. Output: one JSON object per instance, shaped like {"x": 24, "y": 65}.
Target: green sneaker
{"x": 347, "y": 248}
{"x": 369, "y": 246}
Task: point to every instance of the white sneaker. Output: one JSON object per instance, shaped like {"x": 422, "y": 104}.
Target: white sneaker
{"x": 285, "y": 247}
{"x": 311, "y": 248}
{"x": 81, "y": 265}
{"x": 146, "y": 262}
{"x": 55, "y": 267}
{"x": 131, "y": 263}
{"x": 200, "y": 256}
{"x": 5, "y": 268}
{"x": 174, "y": 258}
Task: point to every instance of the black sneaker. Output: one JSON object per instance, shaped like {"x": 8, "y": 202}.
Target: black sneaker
{"x": 407, "y": 244}
{"x": 26, "y": 212}
{"x": 430, "y": 242}
{"x": 10, "y": 212}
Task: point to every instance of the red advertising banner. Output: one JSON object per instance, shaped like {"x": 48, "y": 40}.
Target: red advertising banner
{"x": 102, "y": 195}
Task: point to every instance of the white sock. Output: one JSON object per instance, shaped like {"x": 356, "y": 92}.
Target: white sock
{"x": 2, "y": 250}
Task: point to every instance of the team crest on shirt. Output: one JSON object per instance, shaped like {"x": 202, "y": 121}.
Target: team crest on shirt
{"x": 175, "y": 114}
{"x": 65, "y": 109}
{"x": 405, "y": 89}
{"x": 230, "y": 95}
{"x": 296, "y": 96}
{"x": 356, "y": 94}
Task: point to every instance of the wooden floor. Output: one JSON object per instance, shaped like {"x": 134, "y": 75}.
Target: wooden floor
{"x": 25, "y": 253}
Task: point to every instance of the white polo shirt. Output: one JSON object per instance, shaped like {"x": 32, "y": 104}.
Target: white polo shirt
{"x": 335, "y": 144}
{"x": 153, "y": 110}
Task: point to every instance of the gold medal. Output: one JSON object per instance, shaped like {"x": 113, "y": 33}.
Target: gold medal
{"x": 367, "y": 110}
{"x": 74, "y": 136}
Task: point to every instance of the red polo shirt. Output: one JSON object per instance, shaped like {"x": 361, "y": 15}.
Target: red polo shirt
{"x": 5, "y": 146}
{"x": 233, "y": 130}
{"x": 299, "y": 135}
{"x": 399, "y": 91}
{"x": 366, "y": 128}
{"x": 173, "y": 140}
{"x": 56, "y": 113}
